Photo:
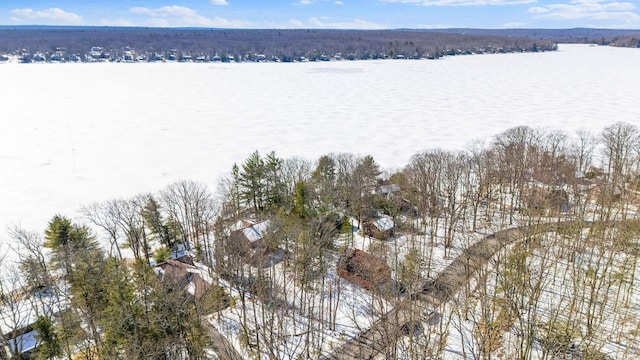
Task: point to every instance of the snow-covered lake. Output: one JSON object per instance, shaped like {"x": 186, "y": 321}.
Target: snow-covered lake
{"x": 72, "y": 134}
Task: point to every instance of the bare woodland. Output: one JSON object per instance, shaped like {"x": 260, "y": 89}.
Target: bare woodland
{"x": 524, "y": 246}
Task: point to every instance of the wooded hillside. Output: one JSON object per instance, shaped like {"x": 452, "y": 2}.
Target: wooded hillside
{"x": 274, "y": 273}
{"x": 286, "y": 45}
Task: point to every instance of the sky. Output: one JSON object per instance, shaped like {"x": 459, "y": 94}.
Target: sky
{"x": 329, "y": 14}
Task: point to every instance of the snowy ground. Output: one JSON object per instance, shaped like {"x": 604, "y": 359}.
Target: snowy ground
{"x": 566, "y": 272}
{"x": 356, "y": 309}
{"x": 334, "y": 318}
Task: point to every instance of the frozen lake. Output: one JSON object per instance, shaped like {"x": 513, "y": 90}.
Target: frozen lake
{"x": 72, "y": 134}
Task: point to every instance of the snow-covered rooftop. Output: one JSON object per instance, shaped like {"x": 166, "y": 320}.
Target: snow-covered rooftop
{"x": 384, "y": 223}
{"x": 256, "y": 232}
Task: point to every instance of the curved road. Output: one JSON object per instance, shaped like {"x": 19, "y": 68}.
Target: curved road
{"x": 386, "y": 331}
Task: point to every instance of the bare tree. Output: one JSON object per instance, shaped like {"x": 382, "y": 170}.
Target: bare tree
{"x": 107, "y": 216}
{"x": 517, "y": 149}
{"x": 190, "y": 205}
{"x": 620, "y": 141}
{"x": 16, "y": 313}
{"x": 583, "y": 150}
{"x": 453, "y": 183}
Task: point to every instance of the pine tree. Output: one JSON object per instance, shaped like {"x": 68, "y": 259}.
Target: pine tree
{"x": 68, "y": 242}
{"x": 252, "y": 178}
{"x": 49, "y": 345}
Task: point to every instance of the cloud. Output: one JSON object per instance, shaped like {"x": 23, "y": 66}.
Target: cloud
{"x": 180, "y": 16}
{"x": 339, "y": 3}
{"x": 294, "y": 23}
{"x": 166, "y": 11}
{"x": 460, "y": 2}
{"x": 48, "y": 16}
{"x": 218, "y": 2}
{"x": 588, "y": 9}
{"x": 326, "y": 23}
{"x": 304, "y": 2}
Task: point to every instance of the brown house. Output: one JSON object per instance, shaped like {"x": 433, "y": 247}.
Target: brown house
{"x": 363, "y": 269}
{"x": 542, "y": 200}
{"x": 249, "y": 234}
{"x": 181, "y": 273}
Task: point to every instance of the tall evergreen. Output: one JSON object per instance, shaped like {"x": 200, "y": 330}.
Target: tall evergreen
{"x": 252, "y": 177}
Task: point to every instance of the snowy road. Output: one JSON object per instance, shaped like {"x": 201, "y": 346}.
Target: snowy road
{"x": 385, "y": 332}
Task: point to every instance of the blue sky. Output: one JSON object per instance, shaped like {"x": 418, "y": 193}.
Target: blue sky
{"x": 342, "y": 14}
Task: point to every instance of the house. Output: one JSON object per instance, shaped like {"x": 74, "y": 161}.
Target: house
{"x": 541, "y": 200}
{"x": 18, "y": 314}
{"x": 22, "y": 342}
{"x": 387, "y": 190}
{"x": 250, "y": 234}
{"x": 381, "y": 228}
{"x": 363, "y": 269}
{"x": 182, "y": 273}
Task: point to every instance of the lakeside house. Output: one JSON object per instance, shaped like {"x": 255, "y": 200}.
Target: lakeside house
{"x": 248, "y": 233}
{"x": 183, "y": 274}
{"x": 363, "y": 269}
{"x": 19, "y": 312}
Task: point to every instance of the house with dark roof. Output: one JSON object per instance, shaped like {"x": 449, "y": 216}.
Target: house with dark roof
{"x": 182, "y": 273}
{"x": 363, "y": 269}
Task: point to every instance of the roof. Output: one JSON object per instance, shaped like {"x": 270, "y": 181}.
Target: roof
{"x": 255, "y": 232}
{"x": 389, "y": 189}
{"x": 184, "y": 275}
{"x": 20, "y": 314}
{"x": 363, "y": 268}
{"x": 25, "y": 342}
{"x": 384, "y": 223}
{"x": 241, "y": 224}
{"x": 174, "y": 269}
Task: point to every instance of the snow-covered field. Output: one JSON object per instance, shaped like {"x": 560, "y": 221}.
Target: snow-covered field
{"x": 72, "y": 134}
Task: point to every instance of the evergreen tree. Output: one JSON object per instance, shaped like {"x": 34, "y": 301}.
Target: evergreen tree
{"x": 324, "y": 179}
{"x": 161, "y": 230}
{"x": 365, "y": 176}
{"x": 68, "y": 242}
{"x": 301, "y": 200}
{"x": 275, "y": 189}
{"x": 49, "y": 345}
{"x": 252, "y": 179}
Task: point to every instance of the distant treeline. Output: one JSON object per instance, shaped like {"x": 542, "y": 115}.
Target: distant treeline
{"x": 615, "y": 37}
{"x": 627, "y": 41}
{"x": 283, "y": 44}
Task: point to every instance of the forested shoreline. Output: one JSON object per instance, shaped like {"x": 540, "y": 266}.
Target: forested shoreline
{"x": 97, "y": 288}
{"x": 286, "y": 45}
{"x": 69, "y": 43}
